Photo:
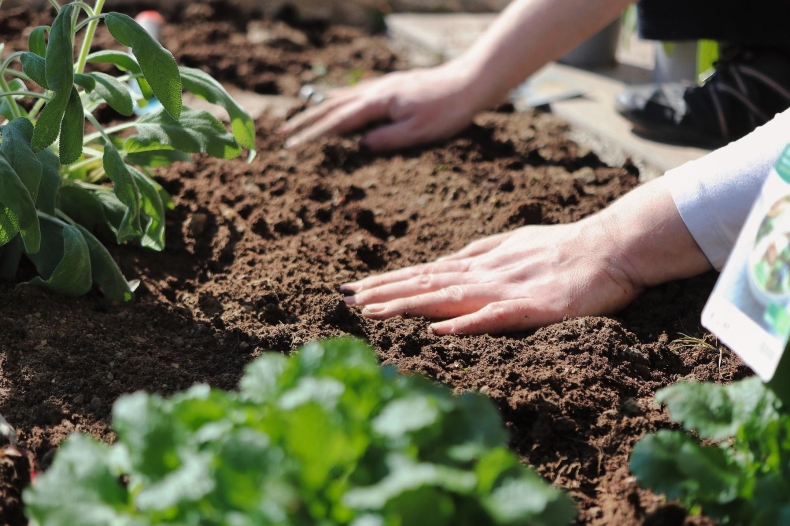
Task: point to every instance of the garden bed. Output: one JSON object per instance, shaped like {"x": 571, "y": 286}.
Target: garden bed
{"x": 255, "y": 254}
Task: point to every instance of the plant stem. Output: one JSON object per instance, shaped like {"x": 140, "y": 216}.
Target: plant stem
{"x": 55, "y": 5}
{"x": 64, "y": 218}
{"x": 83, "y": 164}
{"x": 11, "y": 102}
{"x": 91, "y": 186}
{"x": 92, "y": 151}
{"x": 36, "y": 107}
{"x": 87, "y": 21}
{"x": 8, "y": 61}
{"x": 25, "y": 93}
{"x": 4, "y": 85}
{"x": 85, "y": 7}
{"x": 51, "y": 218}
{"x": 86, "y": 44}
{"x": 98, "y": 126}
{"x": 18, "y": 74}
{"x": 108, "y": 131}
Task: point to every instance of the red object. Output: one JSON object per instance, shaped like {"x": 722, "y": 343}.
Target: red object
{"x": 150, "y": 15}
{"x": 151, "y": 21}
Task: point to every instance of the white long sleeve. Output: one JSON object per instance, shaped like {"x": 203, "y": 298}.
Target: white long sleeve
{"x": 715, "y": 193}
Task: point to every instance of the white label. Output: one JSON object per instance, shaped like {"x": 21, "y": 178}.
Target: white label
{"x": 749, "y": 309}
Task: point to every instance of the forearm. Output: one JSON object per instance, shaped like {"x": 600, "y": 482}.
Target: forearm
{"x": 647, "y": 238}
{"x": 527, "y": 35}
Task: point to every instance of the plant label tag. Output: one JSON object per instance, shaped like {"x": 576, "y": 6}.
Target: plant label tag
{"x": 749, "y": 309}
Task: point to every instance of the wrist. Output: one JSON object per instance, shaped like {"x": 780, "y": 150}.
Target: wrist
{"x": 647, "y": 240}
{"x": 610, "y": 251}
{"x": 480, "y": 89}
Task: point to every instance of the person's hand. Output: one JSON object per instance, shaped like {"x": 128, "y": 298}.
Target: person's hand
{"x": 537, "y": 275}
{"x": 518, "y": 280}
{"x": 423, "y": 106}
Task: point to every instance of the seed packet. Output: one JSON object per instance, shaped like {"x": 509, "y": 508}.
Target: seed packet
{"x": 749, "y": 309}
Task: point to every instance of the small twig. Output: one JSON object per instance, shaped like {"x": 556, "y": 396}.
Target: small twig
{"x": 690, "y": 342}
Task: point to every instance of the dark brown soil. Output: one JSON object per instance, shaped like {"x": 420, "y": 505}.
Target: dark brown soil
{"x": 256, "y": 252}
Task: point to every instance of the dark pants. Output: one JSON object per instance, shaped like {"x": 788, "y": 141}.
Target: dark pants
{"x": 749, "y": 22}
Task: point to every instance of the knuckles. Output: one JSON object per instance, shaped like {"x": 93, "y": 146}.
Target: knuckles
{"x": 500, "y": 312}
{"x": 453, "y": 294}
{"x": 425, "y": 281}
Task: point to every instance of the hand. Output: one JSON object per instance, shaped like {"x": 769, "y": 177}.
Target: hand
{"x": 527, "y": 278}
{"x": 423, "y": 105}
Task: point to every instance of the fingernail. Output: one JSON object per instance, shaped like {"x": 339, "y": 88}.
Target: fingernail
{"x": 373, "y": 309}
{"x": 290, "y": 143}
{"x": 440, "y": 329}
{"x": 350, "y": 300}
{"x": 349, "y": 288}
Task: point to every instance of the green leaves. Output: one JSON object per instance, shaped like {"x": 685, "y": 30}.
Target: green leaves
{"x": 101, "y": 498}
{"x": 718, "y": 412}
{"x": 59, "y": 58}
{"x": 48, "y": 123}
{"x": 59, "y": 75}
{"x": 17, "y": 209}
{"x": 123, "y": 61}
{"x": 674, "y": 463}
{"x": 105, "y": 272}
{"x": 50, "y": 181}
{"x": 308, "y": 440}
{"x": 527, "y": 500}
{"x": 729, "y": 480}
{"x": 36, "y": 41}
{"x": 156, "y": 158}
{"x": 205, "y": 87}
{"x": 152, "y": 208}
{"x": 64, "y": 262}
{"x": 72, "y": 129}
{"x": 17, "y": 136}
{"x": 55, "y": 214}
{"x": 127, "y": 192}
{"x": 35, "y": 67}
{"x": 197, "y": 131}
{"x": 114, "y": 92}
{"x": 156, "y": 63}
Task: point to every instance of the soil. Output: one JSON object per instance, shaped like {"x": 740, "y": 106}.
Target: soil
{"x": 255, "y": 254}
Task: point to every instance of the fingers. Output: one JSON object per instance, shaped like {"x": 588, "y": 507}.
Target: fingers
{"x": 404, "y": 274}
{"x": 342, "y": 119}
{"x": 313, "y": 114}
{"x": 448, "y": 302}
{"x": 481, "y": 246}
{"x": 421, "y": 284}
{"x": 497, "y": 318}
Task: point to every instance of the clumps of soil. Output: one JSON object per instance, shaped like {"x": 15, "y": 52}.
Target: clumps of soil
{"x": 269, "y": 57}
{"x": 255, "y": 254}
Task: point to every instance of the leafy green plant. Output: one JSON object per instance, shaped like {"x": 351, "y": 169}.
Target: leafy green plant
{"x": 325, "y": 437}
{"x": 60, "y": 188}
{"x": 742, "y": 473}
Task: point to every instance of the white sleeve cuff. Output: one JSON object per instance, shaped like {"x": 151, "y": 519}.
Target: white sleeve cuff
{"x": 714, "y": 194}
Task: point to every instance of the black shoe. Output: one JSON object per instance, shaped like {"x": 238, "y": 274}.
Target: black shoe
{"x": 746, "y": 90}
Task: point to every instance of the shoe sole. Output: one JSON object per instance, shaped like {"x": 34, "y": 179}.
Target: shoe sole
{"x": 667, "y": 134}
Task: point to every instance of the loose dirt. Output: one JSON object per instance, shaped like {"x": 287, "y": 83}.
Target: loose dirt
{"x": 255, "y": 254}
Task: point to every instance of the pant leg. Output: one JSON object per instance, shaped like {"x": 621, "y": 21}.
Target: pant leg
{"x": 749, "y": 22}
